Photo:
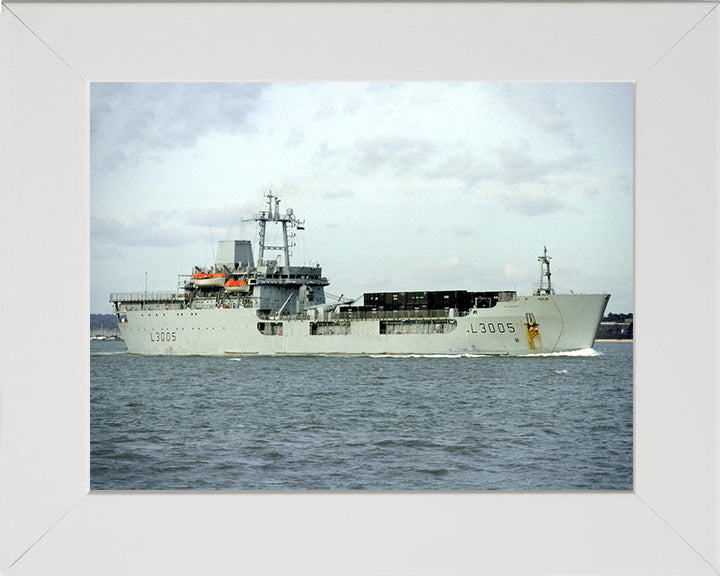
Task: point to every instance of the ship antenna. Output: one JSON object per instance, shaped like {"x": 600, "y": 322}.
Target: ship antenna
{"x": 262, "y": 217}
{"x": 545, "y": 273}
{"x": 272, "y": 214}
{"x": 212, "y": 244}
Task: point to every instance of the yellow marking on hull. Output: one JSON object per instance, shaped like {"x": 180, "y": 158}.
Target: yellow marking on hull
{"x": 533, "y": 333}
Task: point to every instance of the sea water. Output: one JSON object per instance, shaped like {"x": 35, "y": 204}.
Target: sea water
{"x": 554, "y": 422}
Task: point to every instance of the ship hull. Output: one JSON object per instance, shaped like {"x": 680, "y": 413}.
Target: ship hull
{"x": 526, "y": 325}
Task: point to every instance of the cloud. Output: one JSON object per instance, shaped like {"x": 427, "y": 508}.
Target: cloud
{"x": 338, "y": 194}
{"x": 295, "y": 139}
{"x": 175, "y": 227}
{"x": 613, "y": 185}
{"x": 451, "y": 262}
{"x": 514, "y": 273}
{"x": 516, "y": 164}
{"x": 220, "y": 216}
{"x": 329, "y": 156}
{"x": 150, "y": 230}
{"x": 450, "y": 273}
{"x": 104, "y": 251}
{"x": 463, "y": 231}
{"x": 469, "y": 167}
{"x": 510, "y": 165}
{"x": 541, "y": 109}
{"x": 129, "y": 120}
{"x": 533, "y": 204}
{"x": 398, "y": 153}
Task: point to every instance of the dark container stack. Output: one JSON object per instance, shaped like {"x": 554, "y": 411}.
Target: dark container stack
{"x": 433, "y": 300}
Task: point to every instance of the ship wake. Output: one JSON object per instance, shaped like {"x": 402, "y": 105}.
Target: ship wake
{"x": 585, "y": 353}
{"x": 429, "y": 355}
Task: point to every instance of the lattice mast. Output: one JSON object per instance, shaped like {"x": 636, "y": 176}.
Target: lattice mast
{"x": 544, "y": 273}
{"x": 272, "y": 214}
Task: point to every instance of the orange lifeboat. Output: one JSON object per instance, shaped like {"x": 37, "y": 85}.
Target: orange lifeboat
{"x": 204, "y": 279}
{"x": 237, "y": 286}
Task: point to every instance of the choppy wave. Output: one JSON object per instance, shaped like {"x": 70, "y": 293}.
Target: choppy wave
{"x": 352, "y": 423}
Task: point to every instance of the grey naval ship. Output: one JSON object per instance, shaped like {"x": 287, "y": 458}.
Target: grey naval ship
{"x": 240, "y": 306}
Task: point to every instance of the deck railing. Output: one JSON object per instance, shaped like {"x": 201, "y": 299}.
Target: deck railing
{"x": 145, "y": 296}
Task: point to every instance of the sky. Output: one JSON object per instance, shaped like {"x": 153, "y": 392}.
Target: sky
{"x": 402, "y": 186}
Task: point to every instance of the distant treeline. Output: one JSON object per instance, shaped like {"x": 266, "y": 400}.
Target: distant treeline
{"x": 616, "y": 327}
{"x": 103, "y": 322}
{"x": 618, "y": 318}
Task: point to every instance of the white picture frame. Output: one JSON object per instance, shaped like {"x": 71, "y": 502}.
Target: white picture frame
{"x": 51, "y": 523}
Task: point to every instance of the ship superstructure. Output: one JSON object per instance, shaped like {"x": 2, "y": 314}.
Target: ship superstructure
{"x": 239, "y": 306}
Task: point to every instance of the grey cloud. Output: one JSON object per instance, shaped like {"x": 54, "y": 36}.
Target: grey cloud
{"x": 450, "y": 272}
{"x": 165, "y": 116}
{"x": 338, "y": 194}
{"x": 516, "y": 164}
{"x": 561, "y": 127}
{"x": 219, "y": 217}
{"x": 151, "y": 230}
{"x": 352, "y": 105}
{"x": 115, "y": 159}
{"x": 509, "y": 165}
{"x": 463, "y": 231}
{"x": 617, "y": 185}
{"x": 324, "y": 111}
{"x": 327, "y": 155}
{"x": 529, "y": 205}
{"x": 395, "y": 152}
{"x": 174, "y": 228}
{"x": 102, "y": 251}
{"x": 540, "y": 108}
{"x": 467, "y": 167}
{"x": 295, "y": 139}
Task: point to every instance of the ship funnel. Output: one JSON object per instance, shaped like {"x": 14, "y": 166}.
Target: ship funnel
{"x": 234, "y": 254}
